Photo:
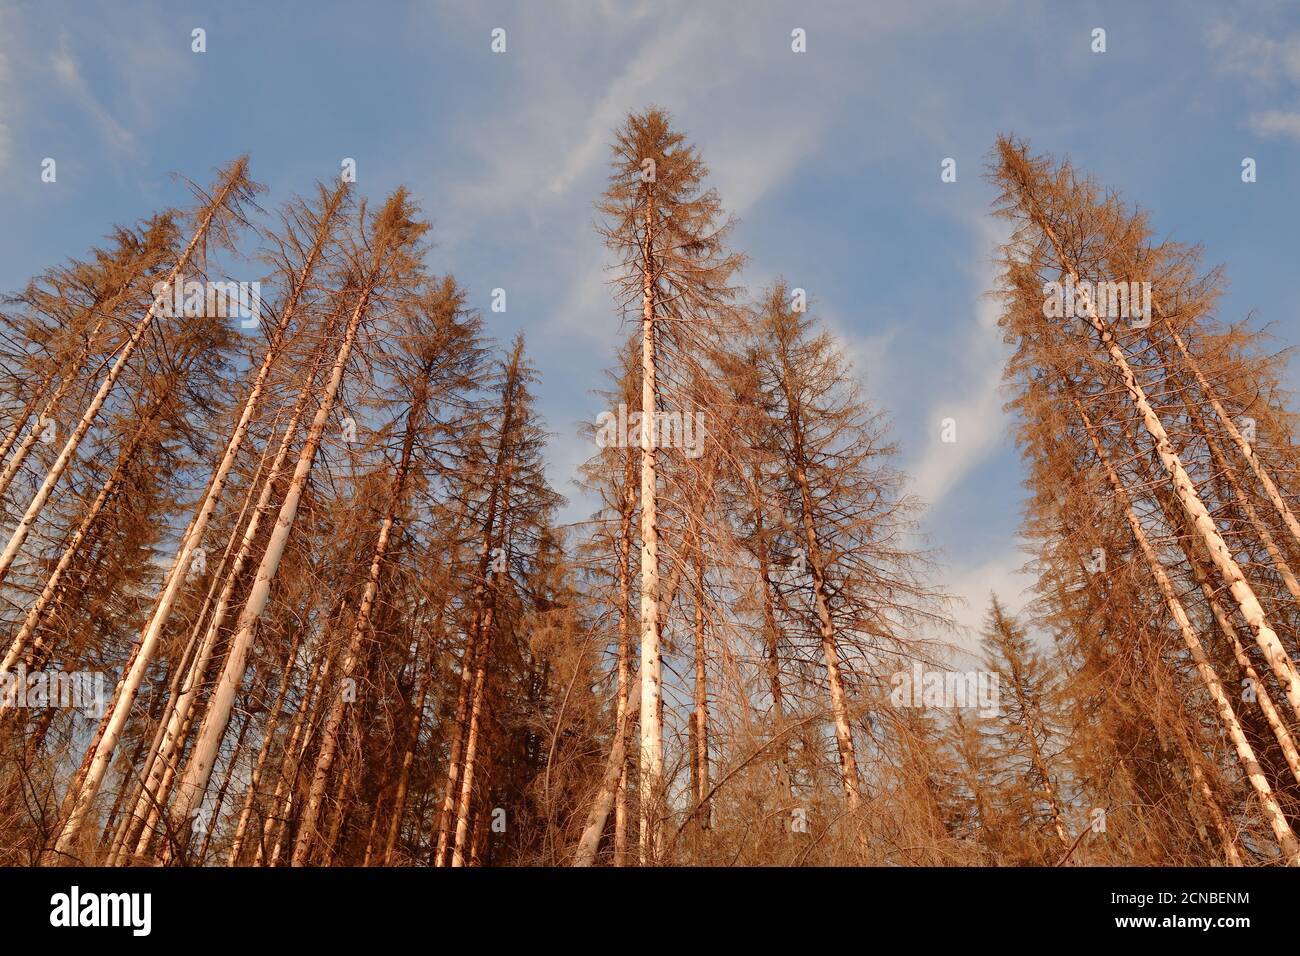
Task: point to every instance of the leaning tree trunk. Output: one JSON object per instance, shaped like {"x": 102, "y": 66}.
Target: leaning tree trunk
{"x": 360, "y": 629}
{"x": 1243, "y": 446}
{"x": 603, "y": 802}
{"x": 36, "y": 612}
{"x": 110, "y": 731}
{"x": 214, "y": 725}
{"x": 821, "y": 598}
{"x": 20, "y": 453}
{"x": 1245, "y": 754}
{"x": 1221, "y": 555}
{"x": 69, "y": 450}
{"x": 180, "y": 709}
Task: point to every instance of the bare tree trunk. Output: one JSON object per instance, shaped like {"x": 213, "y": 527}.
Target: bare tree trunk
{"x": 651, "y": 788}
{"x": 1208, "y": 800}
{"x": 74, "y": 546}
{"x": 69, "y": 450}
{"x": 1244, "y": 596}
{"x": 624, "y": 580}
{"x": 1268, "y": 801}
{"x": 294, "y": 750}
{"x": 181, "y": 710}
{"x": 598, "y": 815}
{"x": 471, "y": 741}
{"x": 222, "y": 791}
{"x": 1243, "y": 446}
{"x": 1275, "y": 722}
{"x": 700, "y": 718}
{"x": 111, "y": 729}
{"x": 839, "y": 700}
{"x": 223, "y": 698}
{"x": 469, "y": 663}
{"x": 268, "y": 737}
{"x": 338, "y": 709}
{"x": 404, "y": 775}
{"x": 20, "y": 453}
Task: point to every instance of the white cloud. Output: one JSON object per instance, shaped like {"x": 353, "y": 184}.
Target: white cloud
{"x": 1267, "y": 60}
{"x": 975, "y": 404}
{"x": 67, "y": 72}
{"x": 1276, "y": 123}
{"x": 971, "y": 585}
{"x": 1260, "y": 57}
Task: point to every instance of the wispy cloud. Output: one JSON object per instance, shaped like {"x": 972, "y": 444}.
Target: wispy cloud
{"x": 68, "y": 74}
{"x": 1276, "y": 123}
{"x": 973, "y": 399}
{"x": 1267, "y": 59}
{"x": 971, "y": 585}
{"x": 1272, "y": 62}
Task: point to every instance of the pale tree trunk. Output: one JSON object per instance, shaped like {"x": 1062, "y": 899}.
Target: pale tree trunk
{"x": 336, "y": 818}
{"x": 478, "y": 640}
{"x": 268, "y": 737}
{"x": 626, "y": 510}
{"x": 182, "y": 678}
{"x": 181, "y": 562}
{"x": 1277, "y": 725}
{"x": 373, "y": 832}
{"x": 1246, "y": 755}
{"x": 1229, "y": 475}
{"x": 1280, "y": 732}
{"x": 700, "y": 718}
{"x": 179, "y": 674}
{"x": 651, "y": 788}
{"x": 826, "y": 628}
{"x": 151, "y": 636}
{"x": 1243, "y": 446}
{"x": 20, "y": 453}
{"x": 849, "y": 779}
{"x": 1208, "y": 800}
{"x": 199, "y": 769}
{"x": 1265, "y": 536}
{"x": 361, "y": 625}
{"x": 179, "y": 714}
{"x": 471, "y": 742}
{"x": 603, "y": 802}
{"x": 338, "y": 709}
{"x": 223, "y": 790}
{"x": 69, "y": 450}
{"x": 20, "y": 421}
{"x": 35, "y": 613}
{"x": 295, "y": 749}
{"x": 469, "y": 664}
{"x": 417, "y": 721}
{"x": 404, "y": 775}
{"x": 1244, "y": 596}
{"x": 110, "y": 730}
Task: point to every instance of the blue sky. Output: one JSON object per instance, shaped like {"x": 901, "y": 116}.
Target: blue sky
{"x": 830, "y": 159}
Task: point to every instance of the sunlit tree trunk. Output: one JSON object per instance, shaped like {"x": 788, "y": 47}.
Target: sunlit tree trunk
{"x": 1245, "y": 753}
{"x": 111, "y": 728}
